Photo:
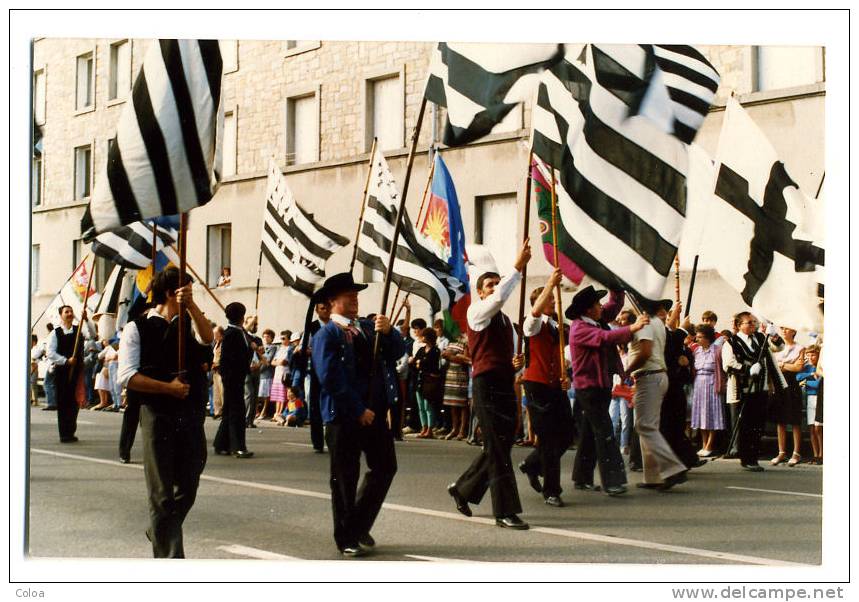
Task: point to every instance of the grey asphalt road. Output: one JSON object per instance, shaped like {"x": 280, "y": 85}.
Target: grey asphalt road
{"x": 84, "y": 504}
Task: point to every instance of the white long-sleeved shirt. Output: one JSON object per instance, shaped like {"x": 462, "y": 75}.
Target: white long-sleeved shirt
{"x": 129, "y": 348}
{"x": 533, "y": 324}
{"x": 481, "y": 311}
{"x": 54, "y": 357}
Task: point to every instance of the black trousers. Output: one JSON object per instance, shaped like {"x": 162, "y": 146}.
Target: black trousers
{"x": 597, "y": 446}
{"x": 231, "y": 432}
{"x": 494, "y": 404}
{"x": 733, "y": 413}
{"x": 355, "y": 509}
{"x": 67, "y": 405}
{"x": 130, "y": 420}
{"x": 672, "y": 425}
{"x": 317, "y": 433}
{"x": 552, "y": 422}
{"x": 754, "y": 411}
{"x": 174, "y": 454}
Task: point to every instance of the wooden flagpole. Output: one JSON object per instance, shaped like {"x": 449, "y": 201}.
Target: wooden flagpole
{"x": 820, "y": 186}
{"x": 558, "y": 303}
{"x": 259, "y": 275}
{"x": 154, "y": 246}
{"x": 183, "y": 267}
{"x": 691, "y": 288}
{"x": 417, "y": 225}
{"x": 523, "y": 285}
{"x": 386, "y": 290}
{"x": 203, "y": 282}
{"x": 677, "y": 277}
{"x": 83, "y": 317}
{"x": 363, "y": 205}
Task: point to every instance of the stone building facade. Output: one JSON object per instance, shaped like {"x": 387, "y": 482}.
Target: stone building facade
{"x": 275, "y": 90}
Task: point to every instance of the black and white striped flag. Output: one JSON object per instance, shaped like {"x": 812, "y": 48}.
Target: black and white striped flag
{"x": 481, "y": 83}
{"x": 672, "y": 85}
{"x": 295, "y": 244}
{"x": 416, "y": 268}
{"x": 166, "y": 157}
{"x": 622, "y": 188}
{"x": 762, "y": 228}
{"x": 131, "y": 246}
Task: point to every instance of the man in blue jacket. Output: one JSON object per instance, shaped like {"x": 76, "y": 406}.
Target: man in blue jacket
{"x": 354, "y": 401}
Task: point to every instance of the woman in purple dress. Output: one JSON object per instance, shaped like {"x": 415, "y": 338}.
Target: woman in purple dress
{"x": 707, "y": 413}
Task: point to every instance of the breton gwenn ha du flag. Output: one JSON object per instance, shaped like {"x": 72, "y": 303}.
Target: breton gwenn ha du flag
{"x": 296, "y": 246}
{"x": 756, "y": 227}
{"x": 416, "y": 268}
{"x": 621, "y": 190}
{"x": 166, "y": 157}
{"x": 131, "y": 246}
{"x": 481, "y": 83}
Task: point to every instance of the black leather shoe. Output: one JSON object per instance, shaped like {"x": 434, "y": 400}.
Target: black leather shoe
{"x": 49, "y": 409}
{"x": 533, "y": 480}
{"x": 316, "y": 450}
{"x": 752, "y": 467}
{"x": 555, "y": 500}
{"x": 673, "y": 480}
{"x": 366, "y": 542}
{"x": 635, "y": 468}
{"x": 586, "y": 486}
{"x": 511, "y": 522}
{"x": 698, "y": 464}
{"x": 222, "y": 452}
{"x": 648, "y": 485}
{"x": 352, "y": 551}
{"x": 461, "y": 503}
{"x": 69, "y": 440}
{"x": 616, "y": 490}
{"x": 124, "y": 460}
{"x": 243, "y": 454}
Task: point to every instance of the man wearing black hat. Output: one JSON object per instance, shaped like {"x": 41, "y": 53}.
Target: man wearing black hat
{"x": 494, "y": 367}
{"x": 236, "y": 353}
{"x": 593, "y": 349}
{"x": 646, "y": 362}
{"x": 354, "y": 401}
{"x": 172, "y": 405}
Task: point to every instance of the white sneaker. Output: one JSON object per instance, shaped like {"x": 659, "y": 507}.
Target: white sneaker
{"x": 701, "y": 452}
{"x": 705, "y": 453}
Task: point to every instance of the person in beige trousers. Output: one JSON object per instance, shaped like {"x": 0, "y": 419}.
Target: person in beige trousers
{"x": 646, "y": 362}
{"x": 217, "y": 383}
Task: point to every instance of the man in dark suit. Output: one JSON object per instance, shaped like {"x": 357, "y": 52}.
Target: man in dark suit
{"x": 236, "y": 352}
{"x": 317, "y": 434}
{"x": 354, "y": 402}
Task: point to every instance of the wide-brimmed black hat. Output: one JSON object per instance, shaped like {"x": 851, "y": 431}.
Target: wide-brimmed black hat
{"x": 336, "y": 284}
{"x": 582, "y": 300}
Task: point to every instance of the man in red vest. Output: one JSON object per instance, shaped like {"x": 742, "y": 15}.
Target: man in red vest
{"x": 494, "y": 366}
{"x": 546, "y": 386}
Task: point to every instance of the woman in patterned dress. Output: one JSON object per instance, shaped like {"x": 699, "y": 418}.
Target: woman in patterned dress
{"x": 707, "y": 412}
{"x": 456, "y": 386}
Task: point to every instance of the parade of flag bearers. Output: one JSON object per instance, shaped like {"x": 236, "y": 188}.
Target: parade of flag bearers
{"x": 532, "y": 291}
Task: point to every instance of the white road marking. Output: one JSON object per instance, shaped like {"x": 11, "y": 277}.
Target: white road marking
{"x": 817, "y": 495}
{"x": 116, "y": 463}
{"x": 437, "y": 559}
{"x": 240, "y": 550}
{"x": 84, "y": 422}
{"x": 568, "y": 533}
{"x": 297, "y": 444}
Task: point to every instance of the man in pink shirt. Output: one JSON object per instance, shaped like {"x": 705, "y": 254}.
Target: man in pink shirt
{"x": 593, "y": 348}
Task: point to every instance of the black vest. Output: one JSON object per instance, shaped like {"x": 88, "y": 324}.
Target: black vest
{"x": 66, "y": 342}
{"x": 159, "y": 355}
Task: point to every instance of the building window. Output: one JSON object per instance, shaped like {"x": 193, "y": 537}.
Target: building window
{"x": 34, "y": 269}
{"x": 302, "y": 129}
{"x": 787, "y": 66}
{"x": 85, "y": 96}
{"x": 77, "y": 252}
{"x": 229, "y": 55}
{"x": 38, "y": 175}
{"x": 293, "y": 47}
{"x": 103, "y": 268}
{"x": 230, "y": 138}
{"x": 385, "y": 113}
{"x": 39, "y": 90}
{"x": 119, "y": 82}
{"x": 496, "y": 227}
{"x": 219, "y": 238}
{"x": 83, "y": 172}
